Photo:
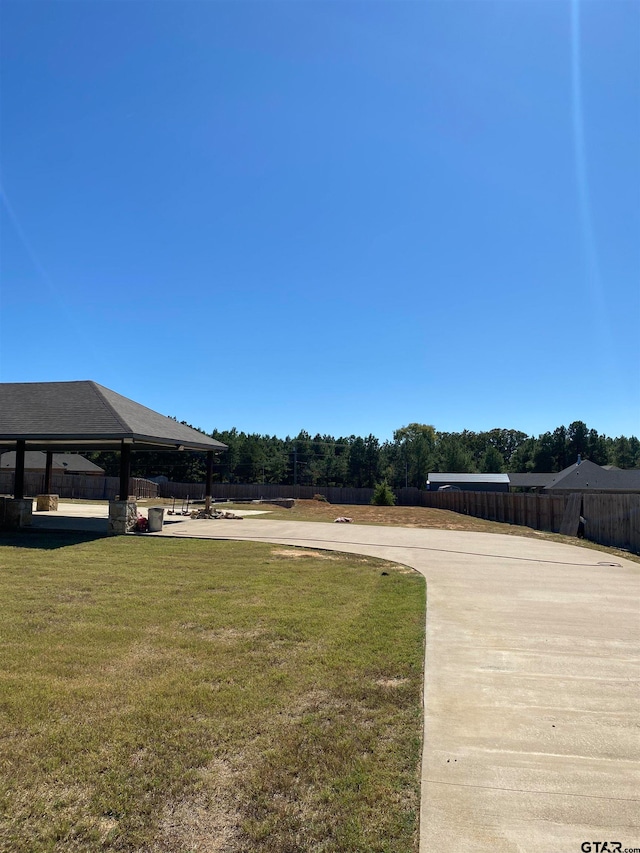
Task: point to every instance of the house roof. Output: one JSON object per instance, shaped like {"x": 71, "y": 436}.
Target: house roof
{"x": 588, "y": 475}
{"x": 85, "y": 415}
{"x": 529, "y": 480}
{"x": 35, "y": 460}
{"x": 622, "y": 480}
{"x": 468, "y": 478}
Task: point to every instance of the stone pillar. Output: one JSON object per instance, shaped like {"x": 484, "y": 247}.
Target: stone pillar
{"x": 47, "y": 503}
{"x": 15, "y": 513}
{"x": 123, "y": 516}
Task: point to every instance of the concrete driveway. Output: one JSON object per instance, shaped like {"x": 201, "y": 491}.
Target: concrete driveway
{"x": 532, "y": 683}
{"x": 532, "y": 687}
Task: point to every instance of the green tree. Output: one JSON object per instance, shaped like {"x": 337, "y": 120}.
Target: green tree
{"x": 623, "y": 455}
{"x": 522, "y": 459}
{"x": 578, "y": 441}
{"x": 597, "y": 450}
{"x": 382, "y": 495}
{"x": 301, "y": 458}
{"x": 506, "y": 442}
{"x": 491, "y": 461}
{"x": 338, "y": 463}
{"x": 228, "y": 460}
{"x": 544, "y": 459}
{"x": 251, "y": 458}
{"x": 559, "y": 449}
{"x": 357, "y": 465}
{"x": 418, "y": 443}
{"x": 452, "y": 455}
{"x": 372, "y": 460}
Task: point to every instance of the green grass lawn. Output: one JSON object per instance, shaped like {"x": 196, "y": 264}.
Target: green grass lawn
{"x": 184, "y": 695}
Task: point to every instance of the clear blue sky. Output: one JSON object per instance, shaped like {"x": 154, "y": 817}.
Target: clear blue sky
{"x": 334, "y": 216}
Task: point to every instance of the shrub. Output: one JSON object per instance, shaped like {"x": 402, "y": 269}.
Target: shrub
{"x": 382, "y": 495}
{"x": 321, "y": 498}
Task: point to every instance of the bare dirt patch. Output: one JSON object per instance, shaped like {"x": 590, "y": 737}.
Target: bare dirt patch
{"x": 391, "y": 682}
{"x": 300, "y": 554}
{"x": 206, "y": 821}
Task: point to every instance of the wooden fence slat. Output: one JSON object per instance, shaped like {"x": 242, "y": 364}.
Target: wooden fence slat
{"x": 544, "y": 513}
{"x": 634, "y": 523}
{"x": 571, "y": 518}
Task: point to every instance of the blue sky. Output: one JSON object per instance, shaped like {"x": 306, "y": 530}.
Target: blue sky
{"x": 334, "y": 216}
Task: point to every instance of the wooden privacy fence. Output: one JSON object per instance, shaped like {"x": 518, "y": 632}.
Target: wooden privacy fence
{"x": 613, "y": 520}
{"x": 610, "y": 519}
{"x": 265, "y": 491}
{"x": 78, "y": 486}
{"x": 194, "y": 491}
{"x": 541, "y": 512}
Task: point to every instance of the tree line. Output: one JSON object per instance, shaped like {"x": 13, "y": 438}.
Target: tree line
{"x": 356, "y": 461}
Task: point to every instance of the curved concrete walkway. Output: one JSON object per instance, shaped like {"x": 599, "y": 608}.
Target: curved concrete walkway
{"x": 531, "y": 691}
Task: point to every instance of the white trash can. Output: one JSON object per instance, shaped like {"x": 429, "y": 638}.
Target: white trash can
{"x": 156, "y": 518}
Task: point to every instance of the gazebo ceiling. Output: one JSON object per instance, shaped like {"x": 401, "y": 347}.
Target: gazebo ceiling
{"x": 86, "y": 416}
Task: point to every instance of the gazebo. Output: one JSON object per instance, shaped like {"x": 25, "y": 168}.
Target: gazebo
{"x": 86, "y": 416}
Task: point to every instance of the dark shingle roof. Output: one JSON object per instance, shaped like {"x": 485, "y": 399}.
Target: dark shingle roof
{"x": 87, "y": 415}
{"x": 624, "y": 480}
{"x": 35, "y": 460}
{"x": 529, "y": 480}
{"x": 587, "y": 475}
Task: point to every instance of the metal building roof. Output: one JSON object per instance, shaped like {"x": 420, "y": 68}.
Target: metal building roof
{"x": 468, "y": 478}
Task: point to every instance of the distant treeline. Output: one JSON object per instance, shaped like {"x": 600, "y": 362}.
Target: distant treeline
{"x": 353, "y": 461}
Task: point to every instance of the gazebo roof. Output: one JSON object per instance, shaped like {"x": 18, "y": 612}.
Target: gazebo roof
{"x": 86, "y": 416}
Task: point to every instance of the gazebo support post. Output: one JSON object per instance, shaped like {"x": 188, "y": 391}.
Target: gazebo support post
{"x": 47, "y": 502}
{"x": 208, "y": 489}
{"x": 17, "y": 512}
{"x": 123, "y": 513}
{"x": 48, "y": 465}
{"x": 18, "y": 486}
{"x": 125, "y": 471}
